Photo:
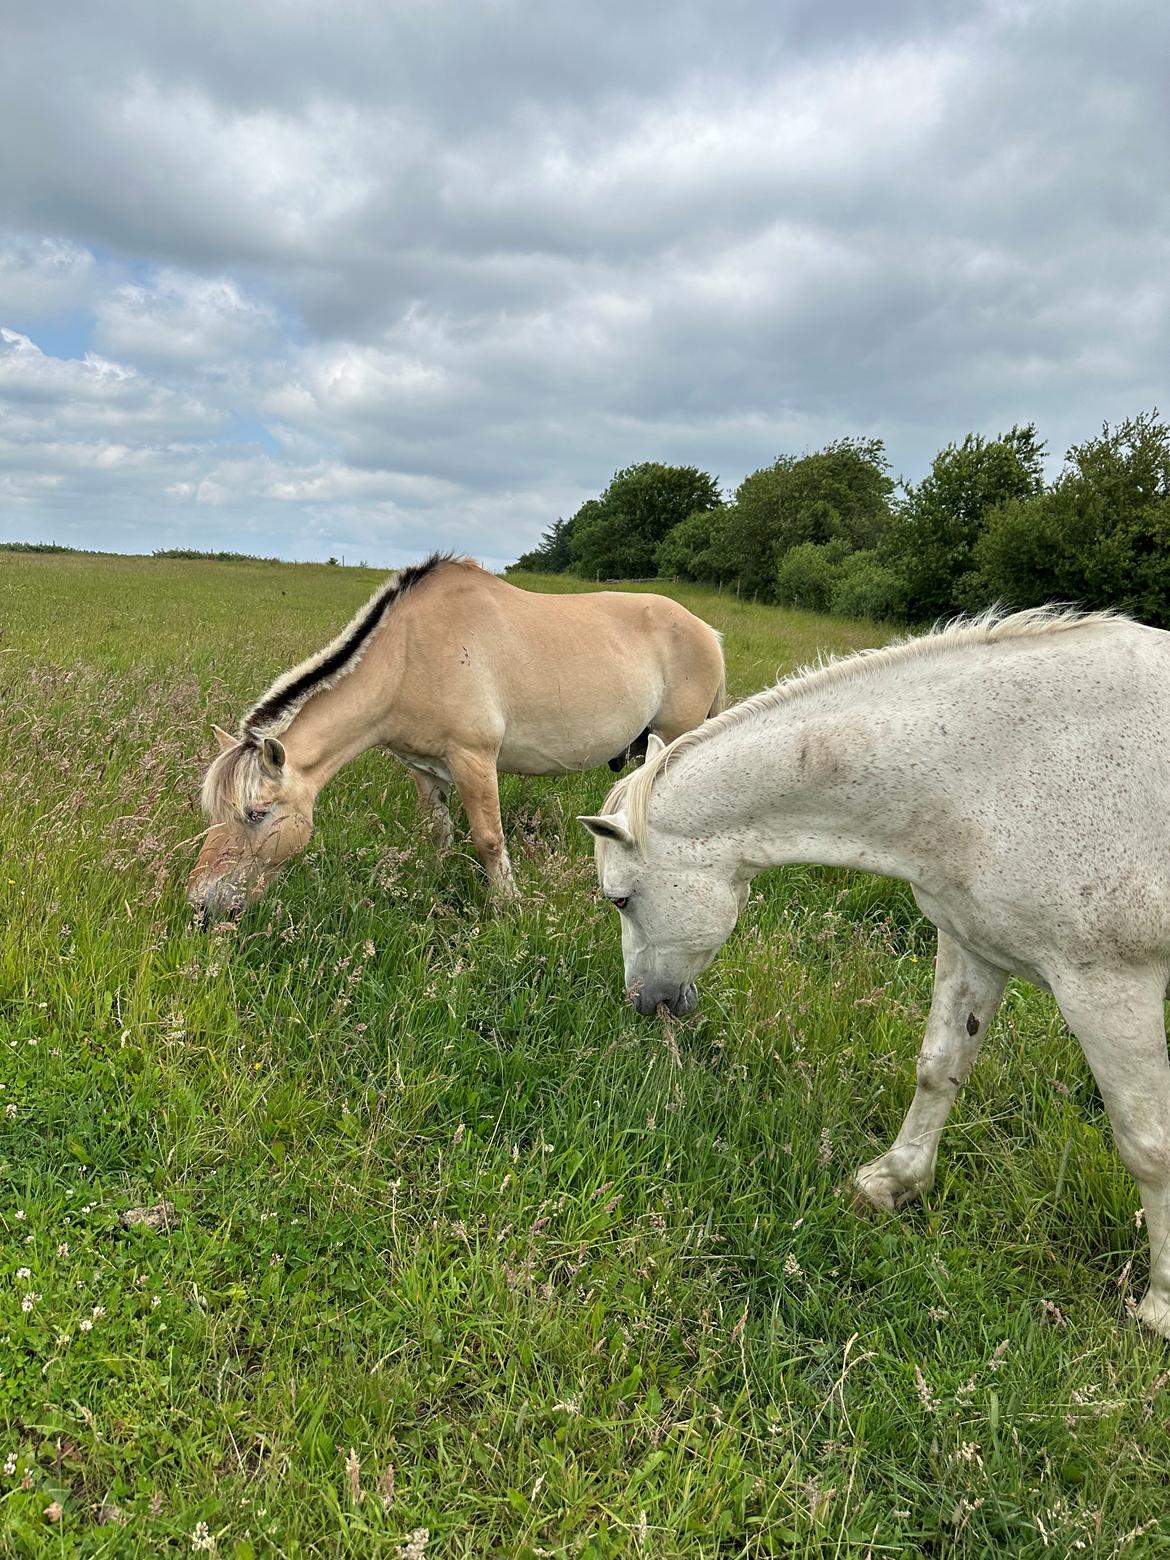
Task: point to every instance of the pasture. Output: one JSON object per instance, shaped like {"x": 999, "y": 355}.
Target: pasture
{"x": 457, "y": 1242}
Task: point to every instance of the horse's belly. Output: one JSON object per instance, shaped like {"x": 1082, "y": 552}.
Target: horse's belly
{"x": 537, "y": 756}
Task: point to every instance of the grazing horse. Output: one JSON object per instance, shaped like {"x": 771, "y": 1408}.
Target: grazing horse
{"x": 460, "y": 675}
{"x": 1016, "y": 772}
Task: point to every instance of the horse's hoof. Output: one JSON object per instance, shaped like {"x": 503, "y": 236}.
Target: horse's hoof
{"x": 1154, "y": 1313}
{"x": 876, "y": 1188}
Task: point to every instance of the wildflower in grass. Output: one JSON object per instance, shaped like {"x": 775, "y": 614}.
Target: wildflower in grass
{"x": 10, "y": 1464}
{"x": 54, "y": 1511}
{"x": 63, "y": 1249}
{"x": 85, "y": 1325}
{"x": 386, "y": 1486}
{"x": 99, "y": 1310}
{"x": 201, "y": 1538}
{"x": 792, "y": 1268}
{"x": 925, "y": 1395}
{"x": 415, "y": 1547}
{"x": 24, "y": 1272}
{"x": 997, "y": 1359}
{"x": 353, "y": 1477}
{"x": 10, "y": 1111}
{"x": 28, "y": 1302}
{"x": 19, "y": 1213}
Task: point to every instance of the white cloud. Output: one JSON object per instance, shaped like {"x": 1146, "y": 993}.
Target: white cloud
{"x": 185, "y": 319}
{"x": 374, "y": 278}
{"x": 41, "y": 276}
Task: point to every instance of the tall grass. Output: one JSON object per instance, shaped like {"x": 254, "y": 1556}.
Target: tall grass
{"x": 458, "y": 1242}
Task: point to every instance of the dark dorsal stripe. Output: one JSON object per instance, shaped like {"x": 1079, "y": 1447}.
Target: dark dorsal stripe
{"x": 273, "y": 706}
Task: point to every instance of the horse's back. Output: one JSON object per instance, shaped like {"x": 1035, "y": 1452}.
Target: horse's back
{"x": 555, "y": 681}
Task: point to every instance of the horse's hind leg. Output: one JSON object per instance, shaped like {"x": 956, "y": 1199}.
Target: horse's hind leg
{"x": 1119, "y": 1022}
{"x": 476, "y": 778}
{"x": 432, "y": 796}
{"x": 966, "y": 995}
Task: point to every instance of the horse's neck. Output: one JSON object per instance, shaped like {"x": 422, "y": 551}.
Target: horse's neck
{"x": 800, "y": 784}
{"x": 340, "y": 723}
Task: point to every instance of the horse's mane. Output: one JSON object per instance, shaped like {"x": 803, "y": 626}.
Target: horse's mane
{"x": 631, "y": 794}
{"x": 232, "y": 779}
{"x": 274, "y": 710}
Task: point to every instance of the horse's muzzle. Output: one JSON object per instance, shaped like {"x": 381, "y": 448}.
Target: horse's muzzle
{"x": 215, "y": 903}
{"x": 679, "y": 1002}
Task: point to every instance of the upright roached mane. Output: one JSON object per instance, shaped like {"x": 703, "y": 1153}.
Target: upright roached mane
{"x": 275, "y": 710}
{"x": 632, "y": 793}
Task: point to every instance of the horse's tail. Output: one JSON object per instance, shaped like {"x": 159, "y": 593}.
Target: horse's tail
{"x": 720, "y": 701}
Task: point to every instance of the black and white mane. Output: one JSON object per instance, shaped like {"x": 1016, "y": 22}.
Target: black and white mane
{"x": 275, "y": 710}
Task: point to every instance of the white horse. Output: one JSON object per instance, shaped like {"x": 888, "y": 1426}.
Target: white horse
{"x": 1016, "y": 772}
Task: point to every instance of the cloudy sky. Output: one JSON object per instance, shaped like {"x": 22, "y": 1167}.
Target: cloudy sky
{"x": 310, "y": 278}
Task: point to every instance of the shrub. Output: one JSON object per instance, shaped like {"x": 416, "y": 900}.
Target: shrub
{"x": 865, "y": 588}
{"x": 807, "y": 574}
{"x": 1100, "y": 535}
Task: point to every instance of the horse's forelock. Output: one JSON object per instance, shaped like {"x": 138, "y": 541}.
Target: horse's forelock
{"x": 230, "y": 783}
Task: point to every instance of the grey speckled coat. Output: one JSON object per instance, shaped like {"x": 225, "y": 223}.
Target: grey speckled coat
{"x": 1016, "y": 772}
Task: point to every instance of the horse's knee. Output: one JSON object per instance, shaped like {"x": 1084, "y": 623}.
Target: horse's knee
{"x": 1145, "y": 1153}
{"x": 489, "y": 843}
{"x": 938, "y": 1073}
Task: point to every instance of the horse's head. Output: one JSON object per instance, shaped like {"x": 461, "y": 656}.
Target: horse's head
{"x": 678, "y": 906}
{"x": 260, "y": 812}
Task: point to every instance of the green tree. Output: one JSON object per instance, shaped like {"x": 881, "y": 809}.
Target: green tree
{"x": 617, "y": 535}
{"x": 865, "y": 588}
{"x": 808, "y": 573}
{"x": 1099, "y": 536}
{"x": 840, "y": 493}
{"x": 687, "y": 552}
{"x": 929, "y": 545}
{"x": 551, "y": 555}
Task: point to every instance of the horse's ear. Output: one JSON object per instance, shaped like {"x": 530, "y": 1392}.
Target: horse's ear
{"x": 608, "y": 826}
{"x": 224, "y": 738}
{"x": 654, "y": 746}
{"x": 272, "y": 755}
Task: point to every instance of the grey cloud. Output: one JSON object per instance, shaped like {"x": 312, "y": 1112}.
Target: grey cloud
{"x": 433, "y": 271}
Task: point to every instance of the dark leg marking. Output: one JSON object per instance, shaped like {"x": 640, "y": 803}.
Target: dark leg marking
{"x": 636, "y": 750}
{"x": 972, "y": 1024}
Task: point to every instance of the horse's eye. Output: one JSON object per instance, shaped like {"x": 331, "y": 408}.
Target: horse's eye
{"x": 620, "y": 904}
{"x": 255, "y": 814}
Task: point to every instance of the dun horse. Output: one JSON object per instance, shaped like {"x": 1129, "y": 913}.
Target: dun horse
{"x": 458, "y": 674}
{"x": 1015, "y": 772}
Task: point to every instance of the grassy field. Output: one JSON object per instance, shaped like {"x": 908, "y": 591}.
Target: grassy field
{"x": 460, "y": 1243}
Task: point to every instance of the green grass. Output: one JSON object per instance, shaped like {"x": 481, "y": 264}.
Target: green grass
{"x": 589, "y": 1285}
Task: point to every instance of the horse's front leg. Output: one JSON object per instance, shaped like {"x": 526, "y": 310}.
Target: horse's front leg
{"x": 966, "y": 995}
{"x": 475, "y": 776}
{"x": 432, "y": 796}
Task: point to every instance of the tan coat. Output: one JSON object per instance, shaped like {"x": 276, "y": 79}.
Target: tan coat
{"x": 460, "y": 675}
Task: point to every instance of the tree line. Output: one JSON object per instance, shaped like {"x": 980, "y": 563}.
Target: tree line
{"x": 832, "y": 531}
